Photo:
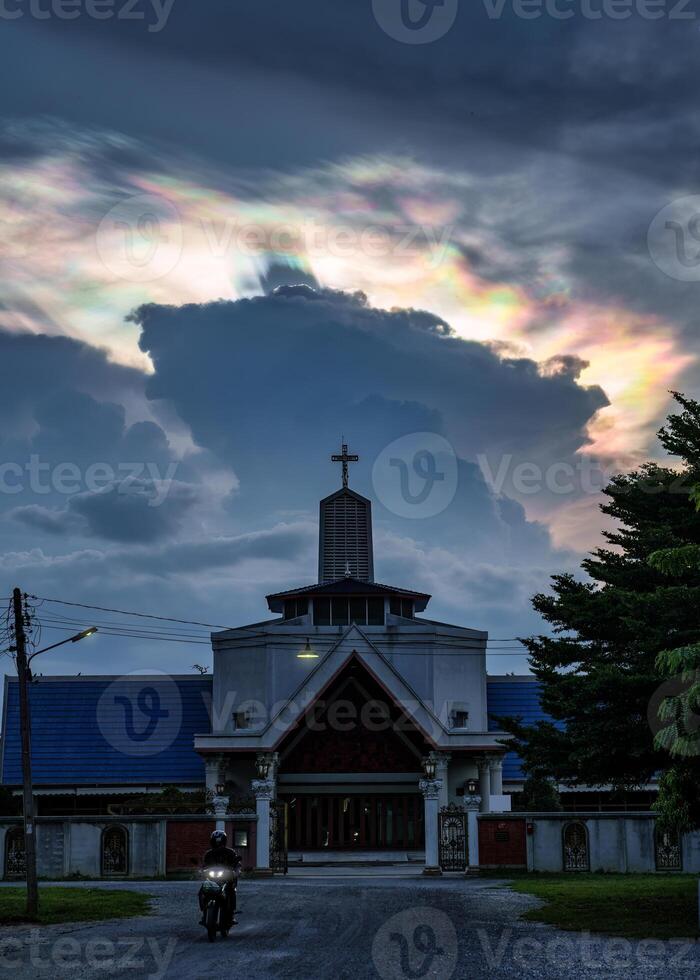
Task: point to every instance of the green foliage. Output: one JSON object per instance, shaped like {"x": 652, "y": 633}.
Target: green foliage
{"x": 73, "y": 904}
{"x": 169, "y": 800}
{"x": 678, "y": 803}
{"x": 633, "y": 905}
{"x": 600, "y": 669}
{"x": 539, "y": 795}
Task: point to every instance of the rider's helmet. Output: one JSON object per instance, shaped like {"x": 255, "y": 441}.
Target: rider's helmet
{"x": 218, "y": 839}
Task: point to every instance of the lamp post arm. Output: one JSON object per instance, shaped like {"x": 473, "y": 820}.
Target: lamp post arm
{"x": 70, "y": 639}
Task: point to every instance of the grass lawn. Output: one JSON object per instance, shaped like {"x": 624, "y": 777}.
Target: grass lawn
{"x": 633, "y": 906}
{"x": 73, "y": 904}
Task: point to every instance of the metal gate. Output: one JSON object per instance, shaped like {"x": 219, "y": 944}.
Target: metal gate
{"x": 278, "y": 837}
{"x": 452, "y": 838}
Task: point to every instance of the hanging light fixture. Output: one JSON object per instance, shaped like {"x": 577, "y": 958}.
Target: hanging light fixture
{"x": 307, "y": 653}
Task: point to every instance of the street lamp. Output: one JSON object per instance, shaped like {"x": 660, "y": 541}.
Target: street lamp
{"x": 24, "y": 675}
{"x": 71, "y": 639}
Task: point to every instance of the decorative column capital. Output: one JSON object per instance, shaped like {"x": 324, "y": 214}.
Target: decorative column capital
{"x": 220, "y": 804}
{"x": 496, "y": 761}
{"x": 263, "y": 789}
{"x": 472, "y": 802}
{"x": 430, "y": 788}
{"x": 483, "y": 763}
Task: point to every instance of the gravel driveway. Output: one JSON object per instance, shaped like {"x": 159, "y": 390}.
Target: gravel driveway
{"x": 338, "y": 928}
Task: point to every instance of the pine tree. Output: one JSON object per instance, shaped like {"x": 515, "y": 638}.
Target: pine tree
{"x": 599, "y": 670}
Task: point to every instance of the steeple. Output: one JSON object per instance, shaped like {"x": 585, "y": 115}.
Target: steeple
{"x": 345, "y": 531}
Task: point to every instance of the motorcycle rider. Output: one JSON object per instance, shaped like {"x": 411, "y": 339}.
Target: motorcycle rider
{"x": 221, "y": 856}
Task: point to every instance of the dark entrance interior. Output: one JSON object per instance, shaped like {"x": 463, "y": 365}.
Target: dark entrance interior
{"x": 354, "y": 728}
{"x": 362, "y": 822}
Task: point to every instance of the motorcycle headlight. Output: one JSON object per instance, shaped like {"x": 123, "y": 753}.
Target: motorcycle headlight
{"x": 219, "y": 874}
{"x": 212, "y": 874}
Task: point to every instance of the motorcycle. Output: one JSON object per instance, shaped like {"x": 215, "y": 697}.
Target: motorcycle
{"x": 219, "y": 900}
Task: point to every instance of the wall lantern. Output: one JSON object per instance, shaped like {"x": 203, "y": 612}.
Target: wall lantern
{"x": 429, "y": 768}
{"x": 262, "y": 767}
{"x": 471, "y": 787}
{"x": 307, "y": 653}
{"x": 220, "y": 789}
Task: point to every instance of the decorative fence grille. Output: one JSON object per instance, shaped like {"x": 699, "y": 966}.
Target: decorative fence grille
{"x": 115, "y": 851}
{"x": 575, "y": 843}
{"x": 667, "y": 850}
{"x": 278, "y": 837}
{"x": 15, "y": 854}
{"x": 452, "y": 836}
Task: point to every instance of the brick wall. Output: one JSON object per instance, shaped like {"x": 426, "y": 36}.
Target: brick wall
{"x": 502, "y": 843}
{"x": 185, "y": 843}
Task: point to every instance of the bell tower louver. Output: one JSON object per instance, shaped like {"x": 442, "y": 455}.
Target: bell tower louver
{"x": 345, "y": 531}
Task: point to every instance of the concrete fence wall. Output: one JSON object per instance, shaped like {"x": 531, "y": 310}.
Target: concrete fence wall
{"x": 72, "y": 846}
{"x": 623, "y": 842}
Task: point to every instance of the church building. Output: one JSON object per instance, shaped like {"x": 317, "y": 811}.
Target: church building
{"x": 348, "y": 720}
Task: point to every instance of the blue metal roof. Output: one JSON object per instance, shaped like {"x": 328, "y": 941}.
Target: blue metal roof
{"x": 140, "y": 729}
{"x": 519, "y": 698}
{"x": 107, "y": 730}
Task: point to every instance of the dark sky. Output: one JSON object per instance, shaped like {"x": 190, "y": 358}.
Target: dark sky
{"x": 493, "y": 219}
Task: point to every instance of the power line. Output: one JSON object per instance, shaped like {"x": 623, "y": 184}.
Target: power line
{"x": 125, "y": 612}
{"x": 126, "y": 633}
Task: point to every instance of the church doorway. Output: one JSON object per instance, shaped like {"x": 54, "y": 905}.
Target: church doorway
{"x": 329, "y": 822}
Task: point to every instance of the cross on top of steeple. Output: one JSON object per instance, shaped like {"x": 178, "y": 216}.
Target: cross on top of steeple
{"x": 344, "y": 457}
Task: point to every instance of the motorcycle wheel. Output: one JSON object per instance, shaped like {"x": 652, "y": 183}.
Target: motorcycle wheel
{"x": 211, "y": 918}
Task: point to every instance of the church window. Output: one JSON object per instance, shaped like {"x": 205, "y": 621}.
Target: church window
{"x": 358, "y": 611}
{"x": 115, "y": 851}
{"x": 322, "y": 612}
{"x": 342, "y": 611}
{"x": 375, "y": 612}
{"x": 401, "y": 607}
{"x": 339, "y": 611}
{"x": 460, "y": 719}
{"x": 295, "y": 607}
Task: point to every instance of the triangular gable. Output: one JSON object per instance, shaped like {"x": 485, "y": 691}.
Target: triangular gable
{"x": 353, "y": 643}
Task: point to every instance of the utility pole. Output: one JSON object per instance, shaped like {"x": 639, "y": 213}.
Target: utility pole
{"x": 25, "y": 726}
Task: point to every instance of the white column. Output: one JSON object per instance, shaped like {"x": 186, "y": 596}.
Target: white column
{"x": 263, "y": 790}
{"x": 214, "y": 771}
{"x": 496, "y": 776}
{"x": 442, "y": 762}
{"x": 220, "y": 810}
{"x": 485, "y": 785}
{"x": 472, "y": 805}
{"x": 430, "y": 788}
